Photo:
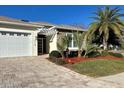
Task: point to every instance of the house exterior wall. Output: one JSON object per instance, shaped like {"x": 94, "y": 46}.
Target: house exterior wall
{"x": 34, "y": 43}
{"x": 53, "y": 43}
{"x": 48, "y": 43}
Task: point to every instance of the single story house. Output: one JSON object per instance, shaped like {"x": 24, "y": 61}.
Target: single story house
{"x": 24, "y": 38}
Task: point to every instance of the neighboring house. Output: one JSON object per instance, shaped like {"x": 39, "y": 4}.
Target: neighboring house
{"x": 23, "y": 38}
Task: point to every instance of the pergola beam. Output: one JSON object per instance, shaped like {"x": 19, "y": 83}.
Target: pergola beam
{"x": 47, "y": 31}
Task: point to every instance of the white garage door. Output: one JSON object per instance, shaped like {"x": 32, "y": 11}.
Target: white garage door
{"x": 15, "y": 44}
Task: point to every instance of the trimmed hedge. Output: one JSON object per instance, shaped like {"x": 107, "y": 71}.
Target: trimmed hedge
{"x": 55, "y": 57}
{"x": 55, "y": 54}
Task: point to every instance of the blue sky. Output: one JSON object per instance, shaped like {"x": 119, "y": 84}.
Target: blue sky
{"x": 53, "y": 14}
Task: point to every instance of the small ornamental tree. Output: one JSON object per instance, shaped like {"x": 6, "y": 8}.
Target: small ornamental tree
{"x": 78, "y": 37}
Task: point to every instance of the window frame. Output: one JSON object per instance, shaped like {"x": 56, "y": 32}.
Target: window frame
{"x": 3, "y": 33}
{"x": 72, "y": 41}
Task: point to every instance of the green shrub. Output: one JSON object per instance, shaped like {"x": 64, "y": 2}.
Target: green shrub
{"x": 116, "y": 54}
{"x": 122, "y": 45}
{"x": 55, "y": 57}
{"x": 73, "y": 54}
{"x": 58, "y": 61}
{"x": 93, "y": 54}
{"x": 104, "y": 53}
{"x": 55, "y": 54}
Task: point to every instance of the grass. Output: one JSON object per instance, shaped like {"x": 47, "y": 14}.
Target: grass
{"x": 99, "y": 68}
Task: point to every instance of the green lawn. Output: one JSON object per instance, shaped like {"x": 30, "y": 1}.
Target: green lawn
{"x": 99, "y": 68}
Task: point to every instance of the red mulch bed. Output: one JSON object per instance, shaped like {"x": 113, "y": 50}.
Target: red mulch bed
{"x": 82, "y": 59}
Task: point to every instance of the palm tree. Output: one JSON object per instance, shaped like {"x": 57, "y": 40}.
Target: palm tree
{"x": 107, "y": 21}
{"x": 78, "y": 37}
{"x": 90, "y": 48}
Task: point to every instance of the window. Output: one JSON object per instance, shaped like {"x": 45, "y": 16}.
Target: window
{"x": 69, "y": 37}
{"x": 72, "y": 43}
{"x": 3, "y": 33}
{"x": 18, "y": 34}
{"x": 25, "y": 34}
{"x": 11, "y": 34}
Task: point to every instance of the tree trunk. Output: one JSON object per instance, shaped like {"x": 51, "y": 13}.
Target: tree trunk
{"x": 85, "y": 54}
{"x": 104, "y": 44}
{"x": 79, "y": 53}
{"x": 84, "y": 44}
{"x": 63, "y": 57}
{"x": 62, "y": 54}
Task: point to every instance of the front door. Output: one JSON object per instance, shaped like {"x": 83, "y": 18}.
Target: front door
{"x": 41, "y": 44}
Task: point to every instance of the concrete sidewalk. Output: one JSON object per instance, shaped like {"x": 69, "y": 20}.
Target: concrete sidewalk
{"x": 118, "y": 78}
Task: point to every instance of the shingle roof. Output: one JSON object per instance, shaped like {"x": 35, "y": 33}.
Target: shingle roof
{"x": 16, "y": 21}
{"x": 43, "y": 23}
{"x": 8, "y": 19}
{"x": 68, "y": 27}
{"x": 37, "y": 24}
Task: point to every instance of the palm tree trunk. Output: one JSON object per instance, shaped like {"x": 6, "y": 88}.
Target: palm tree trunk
{"x": 85, "y": 55}
{"x": 104, "y": 44}
{"x": 84, "y": 44}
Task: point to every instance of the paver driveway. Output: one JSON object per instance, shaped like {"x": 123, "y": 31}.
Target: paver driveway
{"x": 39, "y": 72}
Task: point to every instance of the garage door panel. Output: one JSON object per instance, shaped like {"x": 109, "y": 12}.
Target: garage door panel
{"x": 14, "y": 45}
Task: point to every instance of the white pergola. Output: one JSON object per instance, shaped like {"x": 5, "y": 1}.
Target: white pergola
{"x": 47, "y": 31}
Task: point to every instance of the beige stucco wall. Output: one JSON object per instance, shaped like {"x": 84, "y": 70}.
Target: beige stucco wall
{"x": 34, "y": 43}
{"x": 48, "y": 43}
{"x": 53, "y": 43}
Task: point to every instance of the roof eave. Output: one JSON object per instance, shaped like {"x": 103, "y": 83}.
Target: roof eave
{"x": 21, "y": 24}
{"x": 72, "y": 29}
{"x": 40, "y": 26}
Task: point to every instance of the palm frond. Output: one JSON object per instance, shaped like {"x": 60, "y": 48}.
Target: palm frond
{"x": 115, "y": 29}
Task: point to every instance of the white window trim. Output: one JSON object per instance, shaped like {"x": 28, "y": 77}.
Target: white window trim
{"x": 72, "y": 43}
